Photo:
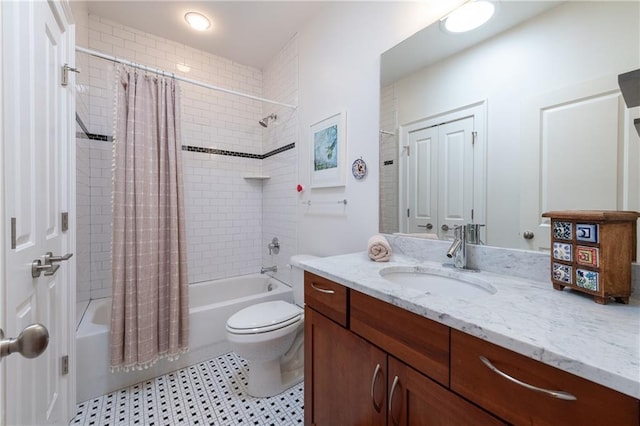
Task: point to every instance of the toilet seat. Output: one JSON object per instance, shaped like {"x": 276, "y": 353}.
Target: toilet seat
{"x": 264, "y": 317}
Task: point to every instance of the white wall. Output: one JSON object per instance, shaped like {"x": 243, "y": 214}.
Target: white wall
{"x": 339, "y": 70}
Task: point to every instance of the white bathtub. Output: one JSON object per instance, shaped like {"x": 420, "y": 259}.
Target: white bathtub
{"x": 211, "y": 304}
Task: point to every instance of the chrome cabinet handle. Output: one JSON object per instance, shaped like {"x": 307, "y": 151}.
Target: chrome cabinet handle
{"x": 556, "y": 394}
{"x": 393, "y": 389}
{"x": 376, "y": 406}
{"x": 322, "y": 290}
{"x": 30, "y": 343}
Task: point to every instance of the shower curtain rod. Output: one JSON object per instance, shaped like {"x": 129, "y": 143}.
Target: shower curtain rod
{"x": 177, "y": 77}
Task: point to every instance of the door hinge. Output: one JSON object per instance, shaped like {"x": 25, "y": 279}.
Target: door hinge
{"x": 408, "y": 215}
{"x": 472, "y": 214}
{"x": 13, "y": 233}
{"x": 408, "y": 148}
{"x": 64, "y": 365}
{"x": 64, "y": 219}
{"x": 474, "y": 136}
{"x": 64, "y": 78}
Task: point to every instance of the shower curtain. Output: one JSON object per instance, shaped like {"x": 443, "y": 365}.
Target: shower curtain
{"x": 150, "y": 306}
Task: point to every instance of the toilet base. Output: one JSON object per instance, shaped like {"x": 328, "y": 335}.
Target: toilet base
{"x": 269, "y": 379}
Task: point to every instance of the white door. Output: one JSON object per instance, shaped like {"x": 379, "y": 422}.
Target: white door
{"x": 574, "y": 145}
{"x": 440, "y": 177}
{"x": 455, "y": 175}
{"x": 422, "y": 215}
{"x": 37, "y": 134}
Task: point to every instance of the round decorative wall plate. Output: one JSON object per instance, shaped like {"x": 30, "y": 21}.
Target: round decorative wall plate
{"x": 359, "y": 169}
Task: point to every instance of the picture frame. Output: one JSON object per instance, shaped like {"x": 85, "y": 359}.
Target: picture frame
{"x": 328, "y": 151}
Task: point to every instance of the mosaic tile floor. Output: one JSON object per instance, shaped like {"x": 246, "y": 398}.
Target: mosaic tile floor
{"x": 210, "y": 393}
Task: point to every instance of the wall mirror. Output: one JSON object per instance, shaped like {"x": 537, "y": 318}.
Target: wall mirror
{"x": 520, "y": 116}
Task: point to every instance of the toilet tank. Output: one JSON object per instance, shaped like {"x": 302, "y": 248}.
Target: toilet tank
{"x": 297, "y": 277}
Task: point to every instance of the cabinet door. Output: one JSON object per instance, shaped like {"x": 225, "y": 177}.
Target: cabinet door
{"x": 341, "y": 372}
{"x": 417, "y": 400}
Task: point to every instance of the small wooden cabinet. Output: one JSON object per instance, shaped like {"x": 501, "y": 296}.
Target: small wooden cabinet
{"x": 592, "y": 252}
{"x": 371, "y": 363}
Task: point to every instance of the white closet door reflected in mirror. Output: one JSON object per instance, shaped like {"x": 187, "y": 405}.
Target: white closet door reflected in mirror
{"x": 442, "y": 162}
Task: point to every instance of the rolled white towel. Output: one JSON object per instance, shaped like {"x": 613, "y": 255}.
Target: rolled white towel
{"x": 378, "y": 248}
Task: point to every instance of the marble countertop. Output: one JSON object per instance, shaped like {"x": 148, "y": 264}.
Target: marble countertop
{"x": 564, "y": 329}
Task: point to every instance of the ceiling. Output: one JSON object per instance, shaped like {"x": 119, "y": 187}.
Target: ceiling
{"x": 432, "y": 44}
{"x": 247, "y": 32}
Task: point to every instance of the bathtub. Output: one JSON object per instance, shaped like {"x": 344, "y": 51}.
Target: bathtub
{"x": 211, "y": 304}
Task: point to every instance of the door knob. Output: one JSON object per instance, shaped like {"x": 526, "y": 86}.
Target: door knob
{"x": 527, "y": 235}
{"x": 50, "y": 258}
{"x": 48, "y": 267}
{"x": 30, "y": 343}
{"x": 445, "y": 227}
{"x": 428, "y": 226}
{"x": 37, "y": 267}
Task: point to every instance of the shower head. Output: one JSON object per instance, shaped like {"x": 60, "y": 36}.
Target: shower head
{"x": 265, "y": 121}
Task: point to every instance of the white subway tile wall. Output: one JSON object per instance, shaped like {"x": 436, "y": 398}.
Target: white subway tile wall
{"x": 279, "y": 195}
{"x": 224, "y": 210}
{"x": 389, "y": 203}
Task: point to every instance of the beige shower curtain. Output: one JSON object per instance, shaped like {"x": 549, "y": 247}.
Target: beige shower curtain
{"x": 150, "y": 306}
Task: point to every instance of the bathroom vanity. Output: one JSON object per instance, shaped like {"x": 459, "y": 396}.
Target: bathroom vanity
{"x": 378, "y": 352}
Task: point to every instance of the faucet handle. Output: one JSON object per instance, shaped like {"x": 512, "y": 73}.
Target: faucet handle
{"x": 473, "y": 233}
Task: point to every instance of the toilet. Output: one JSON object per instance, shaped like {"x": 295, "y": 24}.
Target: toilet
{"x": 270, "y": 336}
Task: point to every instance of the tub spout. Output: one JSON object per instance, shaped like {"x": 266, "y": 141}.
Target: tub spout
{"x": 273, "y": 268}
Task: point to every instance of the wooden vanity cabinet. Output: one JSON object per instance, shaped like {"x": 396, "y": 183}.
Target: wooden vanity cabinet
{"x": 348, "y": 379}
{"x": 368, "y": 362}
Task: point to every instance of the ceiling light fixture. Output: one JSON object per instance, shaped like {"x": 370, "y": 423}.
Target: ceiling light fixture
{"x": 469, "y": 16}
{"x": 198, "y": 21}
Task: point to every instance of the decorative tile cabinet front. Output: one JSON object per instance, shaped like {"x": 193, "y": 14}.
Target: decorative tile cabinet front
{"x": 592, "y": 252}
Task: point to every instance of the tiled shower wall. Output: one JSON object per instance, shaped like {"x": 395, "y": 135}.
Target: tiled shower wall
{"x": 224, "y": 210}
{"x": 389, "y": 167}
{"x": 279, "y": 195}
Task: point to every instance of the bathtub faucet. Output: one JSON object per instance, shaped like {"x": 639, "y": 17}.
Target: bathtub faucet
{"x": 273, "y": 268}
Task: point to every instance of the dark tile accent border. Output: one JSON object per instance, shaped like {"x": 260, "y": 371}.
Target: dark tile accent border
{"x": 86, "y": 135}
{"x": 238, "y": 154}
{"x": 279, "y": 150}
{"x": 92, "y": 136}
{"x": 220, "y": 152}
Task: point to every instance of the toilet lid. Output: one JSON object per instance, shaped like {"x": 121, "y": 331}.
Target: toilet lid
{"x": 264, "y": 317}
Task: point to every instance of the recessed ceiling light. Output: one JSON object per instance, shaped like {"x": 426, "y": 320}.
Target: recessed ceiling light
{"x": 469, "y": 16}
{"x": 197, "y": 21}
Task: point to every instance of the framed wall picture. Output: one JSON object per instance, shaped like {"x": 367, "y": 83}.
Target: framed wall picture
{"x": 328, "y": 151}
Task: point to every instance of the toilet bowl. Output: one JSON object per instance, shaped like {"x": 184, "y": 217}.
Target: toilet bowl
{"x": 270, "y": 336}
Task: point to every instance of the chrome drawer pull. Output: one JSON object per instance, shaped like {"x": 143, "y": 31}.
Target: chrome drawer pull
{"x": 393, "y": 390}
{"x": 556, "y": 394}
{"x": 322, "y": 290}
{"x": 373, "y": 387}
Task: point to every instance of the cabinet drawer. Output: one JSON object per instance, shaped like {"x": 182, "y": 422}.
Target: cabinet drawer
{"x": 418, "y": 341}
{"x": 471, "y": 378}
{"x": 326, "y": 297}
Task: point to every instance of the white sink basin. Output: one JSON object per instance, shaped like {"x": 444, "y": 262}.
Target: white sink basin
{"x": 437, "y": 282}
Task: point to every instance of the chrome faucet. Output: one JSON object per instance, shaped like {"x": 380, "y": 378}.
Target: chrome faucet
{"x": 463, "y": 234}
{"x": 273, "y": 268}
